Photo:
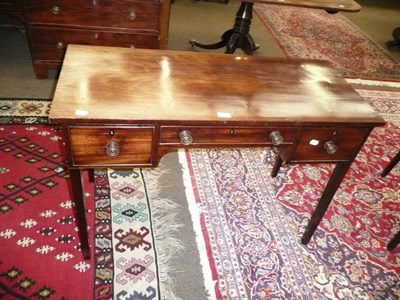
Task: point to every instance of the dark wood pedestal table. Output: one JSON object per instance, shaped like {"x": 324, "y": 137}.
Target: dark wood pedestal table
{"x": 124, "y": 108}
{"x": 239, "y": 36}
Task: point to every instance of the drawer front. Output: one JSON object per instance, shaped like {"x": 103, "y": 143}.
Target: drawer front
{"x": 111, "y": 146}
{"x": 225, "y": 135}
{"x": 10, "y": 4}
{"x": 51, "y": 43}
{"x": 101, "y": 13}
{"x": 312, "y": 145}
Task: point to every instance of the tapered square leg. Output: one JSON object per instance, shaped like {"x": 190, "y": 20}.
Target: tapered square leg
{"x": 77, "y": 192}
{"x": 394, "y": 242}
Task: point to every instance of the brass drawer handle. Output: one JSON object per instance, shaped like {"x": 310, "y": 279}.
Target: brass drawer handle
{"x": 60, "y": 45}
{"x": 186, "y": 137}
{"x": 112, "y": 149}
{"x": 55, "y": 9}
{"x": 132, "y": 15}
{"x": 276, "y": 138}
{"x": 330, "y": 147}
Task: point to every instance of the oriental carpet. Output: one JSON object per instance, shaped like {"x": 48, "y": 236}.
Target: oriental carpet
{"x": 250, "y": 224}
{"x": 316, "y": 34}
{"x": 39, "y": 253}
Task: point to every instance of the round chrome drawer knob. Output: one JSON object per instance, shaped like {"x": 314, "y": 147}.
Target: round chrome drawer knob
{"x": 186, "y": 137}
{"x": 330, "y": 147}
{"x": 276, "y": 138}
{"x": 112, "y": 149}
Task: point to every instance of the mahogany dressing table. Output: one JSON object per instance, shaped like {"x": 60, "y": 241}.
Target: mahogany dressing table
{"x": 125, "y": 108}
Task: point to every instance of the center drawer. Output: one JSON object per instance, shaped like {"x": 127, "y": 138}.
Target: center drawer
{"x": 111, "y": 146}
{"x": 203, "y": 135}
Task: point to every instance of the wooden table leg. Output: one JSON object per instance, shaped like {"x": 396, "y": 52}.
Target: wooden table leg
{"x": 331, "y": 187}
{"x": 237, "y": 37}
{"x": 391, "y": 165}
{"x": 241, "y": 37}
{"x": 277, "y": 165}
{"x": 77, "y": 192}
{"x": 394, "y": 242}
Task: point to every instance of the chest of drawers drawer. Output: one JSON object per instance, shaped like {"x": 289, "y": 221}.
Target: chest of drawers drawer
{"x": 52, "y": 25}
{"x": 103, "y": 13}
{"x": 226, "y": 135}
{"x": 111, "y": 146}
{"x": 13, "y": 7}
{"x": 10, "y": 4}
{"x": 328, "y": 144}
{"x": 51, "y": 43}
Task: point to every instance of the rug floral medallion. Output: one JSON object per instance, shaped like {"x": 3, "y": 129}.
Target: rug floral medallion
{"x": 252, "y": 223}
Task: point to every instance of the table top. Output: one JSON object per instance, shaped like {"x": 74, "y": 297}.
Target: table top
{"x": 335, "y": 5}
{"x": 120, "y": 85}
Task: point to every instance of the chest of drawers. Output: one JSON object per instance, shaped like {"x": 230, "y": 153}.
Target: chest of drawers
{"x": 53, "y": 24}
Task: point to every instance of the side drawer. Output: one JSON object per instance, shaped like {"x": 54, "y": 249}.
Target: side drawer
{"x": 111, "y": 146}
{"x": 311, "y": 146}
{"x": 103, "y": 13}
{"x": 50, "y": 43}
{"x": 226, "y": 135}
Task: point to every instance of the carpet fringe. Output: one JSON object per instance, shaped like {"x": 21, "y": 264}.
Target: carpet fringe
{"x": 165, "y": 228}
{"x": 195, "y": 212}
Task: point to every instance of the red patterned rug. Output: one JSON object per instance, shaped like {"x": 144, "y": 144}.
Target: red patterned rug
{"x": 250, "y": 224}
{"x": 315, "y": 34}
{"x": 134, "y": 229}
{"x": 39, "y": 253}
